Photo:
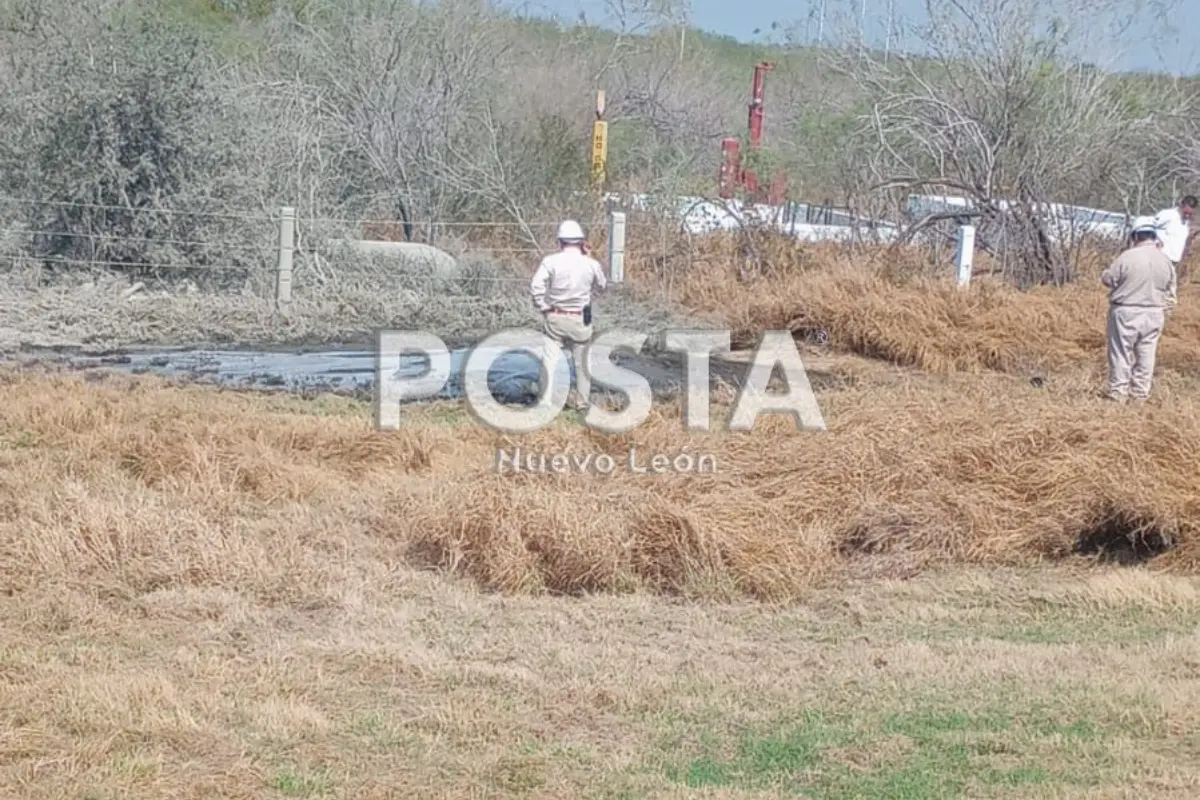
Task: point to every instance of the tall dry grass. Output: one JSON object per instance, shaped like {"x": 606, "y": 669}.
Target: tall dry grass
{"x": 894, "y": 305}
{"x": 119, "y": 488}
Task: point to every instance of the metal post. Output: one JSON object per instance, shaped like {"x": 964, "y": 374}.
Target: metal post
{"x": 616, "y": 246}
{"x": 965, "y": 255}
{"x": 287, "y": 244}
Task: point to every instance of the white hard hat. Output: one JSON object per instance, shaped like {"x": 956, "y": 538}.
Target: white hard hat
{"x": 1144, "y": 225}
{"x": 569, "y": 231}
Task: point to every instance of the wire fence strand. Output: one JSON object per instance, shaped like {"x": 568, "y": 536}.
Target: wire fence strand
{"x": 256, "y": 242}
{"x": 137, "y": 239}
{"x": 243, "y": 216}
{"x": 78, "y": 262}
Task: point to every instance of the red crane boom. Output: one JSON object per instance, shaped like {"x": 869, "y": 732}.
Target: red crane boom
{"x": 749, "y": 178}
{"x": 732, "y": 174}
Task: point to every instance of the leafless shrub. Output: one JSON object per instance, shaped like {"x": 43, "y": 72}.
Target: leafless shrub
{"x": 118, "y": 145}
{"x": 423, "y": 114}
{"x": 1005, "y": 113}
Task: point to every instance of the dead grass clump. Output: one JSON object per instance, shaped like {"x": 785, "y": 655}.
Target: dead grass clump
{"x": 526, "y": 535}
{"x": 986, "y": 470}
{"x": 190, "y": 462}
{"x": 286, "y": 462}
{"x": 151, "y": 492}
{"x": 88, "y": 538}
{"x": 767, "y": 550}
{"x": 903, "y": 313}
{"x": 929, "y": 325}
{"x": 533, "y": 535}
{"x": 119, "y": 542}
{"x": 671, "y": 552}
{"x": 133, "y": 486}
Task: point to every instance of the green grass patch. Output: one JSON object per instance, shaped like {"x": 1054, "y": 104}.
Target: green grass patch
{"x": 292, "y": 782}
{"x": 922, "y": 748}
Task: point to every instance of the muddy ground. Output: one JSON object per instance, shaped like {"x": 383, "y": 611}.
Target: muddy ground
{"x": 324, "y": 344}
{"x": 339, "y": 370}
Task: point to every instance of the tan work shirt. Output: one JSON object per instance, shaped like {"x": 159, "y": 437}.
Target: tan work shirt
{"x": 564, "y": 280}
{"x": 1141, "y": 276}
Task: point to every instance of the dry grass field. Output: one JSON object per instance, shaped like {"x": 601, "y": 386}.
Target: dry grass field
{"x": 212, "y": 594}
{"x": 897, "y": 308}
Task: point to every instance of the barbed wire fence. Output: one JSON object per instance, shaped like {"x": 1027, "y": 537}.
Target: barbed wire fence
{"x": 223, "y": 249}
{"x": 274, "y": 253}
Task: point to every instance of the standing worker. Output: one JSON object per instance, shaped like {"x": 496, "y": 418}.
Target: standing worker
{"x": 1140, "y": 282}
{"x": 562, "y": 292}
{"x": 1174, "y": 226}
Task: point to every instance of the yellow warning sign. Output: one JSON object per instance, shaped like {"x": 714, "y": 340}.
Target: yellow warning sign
{"x": 599, "y": 153}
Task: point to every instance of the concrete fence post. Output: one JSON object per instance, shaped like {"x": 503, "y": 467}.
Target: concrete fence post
{"x": 287, "y": 247}
{"x": 616, "y": 246}
{"x": 965, "y": 255}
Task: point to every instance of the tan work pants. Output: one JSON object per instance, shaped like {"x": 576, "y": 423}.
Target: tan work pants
{"x": 1133, "y": 334}
{"x": 569, "y": 330}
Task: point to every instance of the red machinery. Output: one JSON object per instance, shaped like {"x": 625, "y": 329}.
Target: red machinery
{"x": 732, "y": 174}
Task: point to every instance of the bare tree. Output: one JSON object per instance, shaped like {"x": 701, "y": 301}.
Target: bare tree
{"x": 633, "y": 19}
{"x": 114, "y": 128}
{"x": 402, "y": 81}
{"x": 457, "y": 111}
{"x": 1004, "y": 111}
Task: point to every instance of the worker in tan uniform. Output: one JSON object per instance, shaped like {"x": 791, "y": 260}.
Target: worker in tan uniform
{"x": 562, "y": 292}
{"x": 1140, "y": 283}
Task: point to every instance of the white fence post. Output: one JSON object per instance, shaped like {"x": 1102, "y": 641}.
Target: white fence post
{"x": 287, "y": 245}
{"x": 965, "y": 256}
{"x": 616, "y": 246}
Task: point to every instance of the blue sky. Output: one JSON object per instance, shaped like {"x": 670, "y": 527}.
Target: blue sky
{"x": 1177, "y": 52}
